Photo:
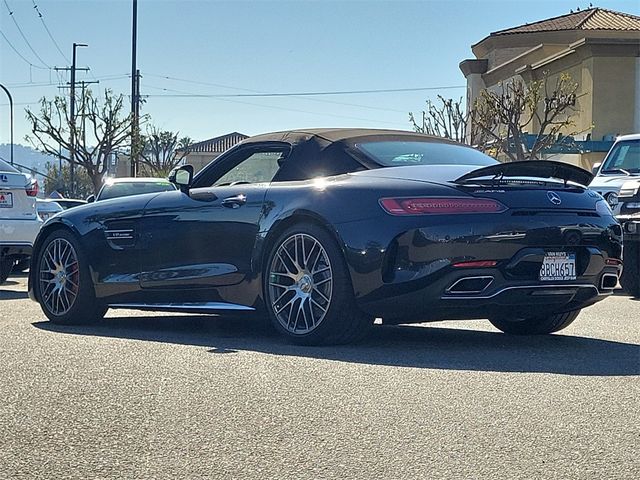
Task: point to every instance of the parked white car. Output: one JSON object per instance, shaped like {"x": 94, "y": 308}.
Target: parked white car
{"x": 19, "y": 221}
{"x": 621, "y": 164}
{"x": 47, "y": 208}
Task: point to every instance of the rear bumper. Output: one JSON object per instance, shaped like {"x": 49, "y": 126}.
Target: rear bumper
{"x": 435, "y": 301}
{"x": 409, "y": 275}
{"x": 19, "y": 231}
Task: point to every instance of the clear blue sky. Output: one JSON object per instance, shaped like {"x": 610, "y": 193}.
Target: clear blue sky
{"x": 260, "y": 46}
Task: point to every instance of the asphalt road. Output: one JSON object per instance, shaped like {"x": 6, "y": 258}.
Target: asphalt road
{"x": 143, "y": 396}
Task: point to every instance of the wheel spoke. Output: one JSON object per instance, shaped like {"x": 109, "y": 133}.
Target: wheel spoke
{"x": 304, "y": 314}
{"x": 322, "y": 295}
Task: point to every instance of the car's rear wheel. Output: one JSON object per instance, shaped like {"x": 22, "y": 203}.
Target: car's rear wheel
{"x": 308, "y": 290}
{"x": 535, "y": 325}
{"x": 63, "y": 282}
{"x": 6, "y": 265}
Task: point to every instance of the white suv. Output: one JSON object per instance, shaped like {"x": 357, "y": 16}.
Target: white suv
{"x": 621, "y": 164}
{"x": 19, "y": 221}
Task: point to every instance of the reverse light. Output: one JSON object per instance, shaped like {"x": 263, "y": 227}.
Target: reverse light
{"x": 440, "y": 205}
{"x": 32, "y": 189}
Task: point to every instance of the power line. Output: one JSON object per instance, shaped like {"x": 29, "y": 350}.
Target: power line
{"x": 48, "y": 31}
{"x": 106, "y": 78}
{"x": 24, "y": 36}
{"x": 305, "y": 94}
{"x": 273, "y": 107}
{"x": 310, "y": 99}
{"x": 19, "y": 54}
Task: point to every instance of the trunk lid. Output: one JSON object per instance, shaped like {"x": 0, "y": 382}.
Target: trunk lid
{"x": 15, "y": 204}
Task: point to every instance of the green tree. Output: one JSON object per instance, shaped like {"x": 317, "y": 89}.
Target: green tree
{"x": 161, "y": 150}
{"x": 59, "y": 180}
{"x": 501, "y": 118}
{"x": 446, "y": 119}
{"x": 100, "y": 127}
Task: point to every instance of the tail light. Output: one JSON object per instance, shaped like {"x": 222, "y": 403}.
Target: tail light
{"x": 32, "y": 189}
{"x": 476, "y": 264}
{"x": 440, "y": 205}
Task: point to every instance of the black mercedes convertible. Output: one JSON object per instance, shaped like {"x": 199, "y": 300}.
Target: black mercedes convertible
{"x": 325, "y": 230}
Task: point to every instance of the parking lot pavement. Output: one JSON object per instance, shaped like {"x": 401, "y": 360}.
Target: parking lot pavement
{"x": 170, "y": 396}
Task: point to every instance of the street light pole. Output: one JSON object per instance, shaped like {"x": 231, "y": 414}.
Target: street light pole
{"x": 11, "y": 114}
{"x": 134, "y": 91}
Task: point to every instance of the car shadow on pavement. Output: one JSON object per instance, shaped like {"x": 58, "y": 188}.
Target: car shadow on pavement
{"x": 12, "y": 294}
{"x": 420, "y": 346}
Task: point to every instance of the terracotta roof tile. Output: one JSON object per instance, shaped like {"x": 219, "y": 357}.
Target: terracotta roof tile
{"x": 590, "y": 19}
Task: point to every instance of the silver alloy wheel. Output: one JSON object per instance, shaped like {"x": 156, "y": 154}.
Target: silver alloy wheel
{"x": 59, "y": 276}
{"x": 300, "y": 283}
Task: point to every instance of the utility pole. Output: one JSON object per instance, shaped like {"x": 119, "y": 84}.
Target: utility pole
{"x": 11, "y": 119}
{"x": 135, "y": 97}
{"x": 72, "y": 113}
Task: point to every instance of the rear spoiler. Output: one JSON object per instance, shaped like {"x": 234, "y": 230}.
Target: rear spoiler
{"x": 531, "y": 168}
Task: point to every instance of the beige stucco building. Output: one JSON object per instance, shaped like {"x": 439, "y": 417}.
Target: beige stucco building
{"x": 599, "y": 48}
{"x": 201, "y": 153}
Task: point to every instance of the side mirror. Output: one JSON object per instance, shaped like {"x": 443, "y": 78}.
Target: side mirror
{"x": 91, "y": 198}
{"x": 595, "y": 168}
{"x": 182, "y": 177}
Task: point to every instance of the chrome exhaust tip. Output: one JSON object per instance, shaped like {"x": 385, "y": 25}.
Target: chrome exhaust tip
{"x": 470, "y": 285}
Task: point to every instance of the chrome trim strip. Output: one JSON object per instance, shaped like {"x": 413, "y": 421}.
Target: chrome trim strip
{"x": 186, "y": 307}
{"x": 448, "y": 290}
{"x": 521, "y": 287}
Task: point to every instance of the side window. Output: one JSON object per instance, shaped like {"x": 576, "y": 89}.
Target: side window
{"x": 258, "y": 167}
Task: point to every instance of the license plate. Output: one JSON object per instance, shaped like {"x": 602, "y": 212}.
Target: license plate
{"x": 558, "y": 266}
{"x": 6, "y": 200}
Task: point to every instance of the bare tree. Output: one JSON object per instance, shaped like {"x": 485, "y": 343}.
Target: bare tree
{"x": 160, "y": 151}
{"x": 447, "y": 120}
{"x": 500, "y": 119}
{"x": 99, "y": 129}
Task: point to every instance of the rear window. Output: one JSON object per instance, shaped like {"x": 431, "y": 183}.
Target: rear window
{"x": 398, "y": 153}
{"x": 116, "y": 190}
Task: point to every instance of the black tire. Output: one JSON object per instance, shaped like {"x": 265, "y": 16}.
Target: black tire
{"x": 341, "y": 321}
{"x": 84, "y": 308}
{"x": 6, "y": 265}
{"x": 535, "y": 325}
{"x": 21, "y": 265}
{"x": 630, "y": 279}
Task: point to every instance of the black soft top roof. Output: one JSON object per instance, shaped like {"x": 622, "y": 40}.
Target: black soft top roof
{"x": 332, "y": 135}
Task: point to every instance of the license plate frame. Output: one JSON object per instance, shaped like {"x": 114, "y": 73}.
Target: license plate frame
{"x": 6, "y": 200}
{"x": 558, "y": 267}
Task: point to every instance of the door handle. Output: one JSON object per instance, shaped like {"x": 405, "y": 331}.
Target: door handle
{"x": 204, "y": 196}
{"x": 235, "y": 201}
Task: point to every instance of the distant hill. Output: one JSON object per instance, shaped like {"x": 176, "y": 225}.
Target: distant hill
{"x": 26, "y": 156}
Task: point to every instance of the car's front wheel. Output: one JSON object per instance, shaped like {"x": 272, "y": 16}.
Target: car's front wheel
{"x": 308, "y": 290}
{"x": 535, "y": 325}
{"x": 63, "y": 283}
